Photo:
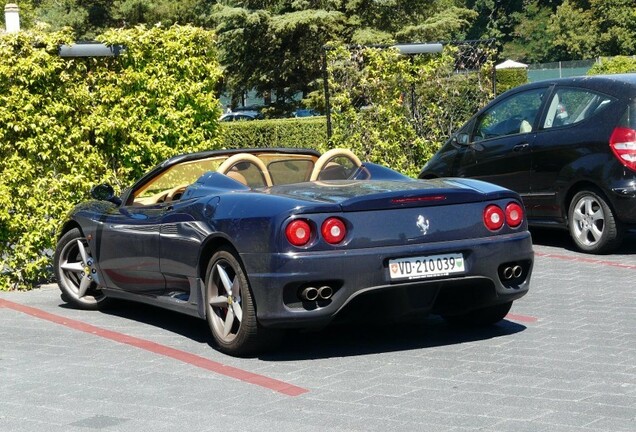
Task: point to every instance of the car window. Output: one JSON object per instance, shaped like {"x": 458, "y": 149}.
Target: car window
{"x": 513, "y": 115}
{"x": 169, "y": 183}
{"x": 290, "y": 170}
{"x": 248, "y": 173}
{"x": 572, "y": 105}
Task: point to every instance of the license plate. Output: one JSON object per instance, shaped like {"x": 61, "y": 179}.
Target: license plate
{"x": 426, "y": 266}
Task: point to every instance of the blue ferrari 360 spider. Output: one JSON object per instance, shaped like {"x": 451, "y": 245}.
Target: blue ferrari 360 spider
{"x": 258, "y": 240}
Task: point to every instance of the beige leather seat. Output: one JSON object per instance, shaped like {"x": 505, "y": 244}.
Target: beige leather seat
{"x": 235, "y": 175}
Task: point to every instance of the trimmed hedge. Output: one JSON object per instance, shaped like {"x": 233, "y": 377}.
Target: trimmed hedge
{"x": 310, "y": 132}
{"x": 511, "y": 78}
{"x": 614, "y": 65}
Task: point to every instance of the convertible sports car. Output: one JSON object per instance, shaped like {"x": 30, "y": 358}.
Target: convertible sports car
{"x": 258, "y": 240}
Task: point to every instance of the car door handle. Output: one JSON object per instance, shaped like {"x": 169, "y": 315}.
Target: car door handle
{"x": 520, "y": 147}
{"x": 169, "y": 208}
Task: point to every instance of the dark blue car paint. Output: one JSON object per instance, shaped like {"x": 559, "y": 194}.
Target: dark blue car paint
{"x": 157, "y": 254}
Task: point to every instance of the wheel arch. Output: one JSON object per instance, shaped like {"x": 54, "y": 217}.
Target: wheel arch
{"x": 67, "y": 226}
{"x": 582, "y": 185}
{"x": 211, "y": 245}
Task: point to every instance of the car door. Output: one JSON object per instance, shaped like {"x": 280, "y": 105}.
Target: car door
{"x": 572, "y": 132}
{"x": 128, "y": 246}
{"x": 183, "y": 231}
{"x": 501, "y": 141}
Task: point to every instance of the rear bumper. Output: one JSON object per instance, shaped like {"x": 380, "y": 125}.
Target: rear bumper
{"x": 623, "y": 200}
{"x": 360, "y": 272}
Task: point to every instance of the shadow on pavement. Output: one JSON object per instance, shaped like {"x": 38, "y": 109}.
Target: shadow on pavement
{"x": 184, "y": 325}
{"x": 352, "y": 338}
{"x": 561, "y": 239}
{"x": 360, "y": 339}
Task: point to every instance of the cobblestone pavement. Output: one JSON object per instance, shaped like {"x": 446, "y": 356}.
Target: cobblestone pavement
{"x": 564, "y": 360}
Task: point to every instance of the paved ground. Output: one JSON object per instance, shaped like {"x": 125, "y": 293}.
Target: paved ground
{"x": 564, "y": 360}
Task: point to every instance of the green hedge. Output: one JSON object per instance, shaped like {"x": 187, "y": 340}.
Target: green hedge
{"x": 67, "y": 124}
{"x": 308, "y": 132}
{"x": 614, "y": 65}
{"x": 511, "y": 78}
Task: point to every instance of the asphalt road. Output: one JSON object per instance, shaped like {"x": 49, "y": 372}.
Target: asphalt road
{"x": 563, "y": 360}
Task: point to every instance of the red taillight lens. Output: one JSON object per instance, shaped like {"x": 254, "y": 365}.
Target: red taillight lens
{"x": 514, "y": 215}
{"x": 333, "y": 230}
{"x": 623, "y": 144}
{"x": 298, "y": 232}
{"x": 493, "y": 217}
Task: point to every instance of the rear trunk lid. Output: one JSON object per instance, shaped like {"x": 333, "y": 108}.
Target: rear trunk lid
{"x": 352, "y": 196}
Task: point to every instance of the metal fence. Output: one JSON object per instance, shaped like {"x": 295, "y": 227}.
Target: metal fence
{"x": 562, "y": 69}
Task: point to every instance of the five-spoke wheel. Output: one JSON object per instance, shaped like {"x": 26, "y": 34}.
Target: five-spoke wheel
{"x": 230, "y": 309}
{"x": 76, "y": 274}
{"x": 592, "y": 224}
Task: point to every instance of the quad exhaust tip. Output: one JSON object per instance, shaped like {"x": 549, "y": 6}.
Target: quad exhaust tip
{"x": 512, "y": 272}
{"x": 312, "y": 293}
{"x": 325, "y": 292}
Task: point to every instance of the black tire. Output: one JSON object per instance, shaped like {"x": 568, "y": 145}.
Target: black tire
{"x": 592, "y": 223}
{"x": 241, "y": 337}
{"x": 77, "y": 279}
{"x": 481, "y": 317}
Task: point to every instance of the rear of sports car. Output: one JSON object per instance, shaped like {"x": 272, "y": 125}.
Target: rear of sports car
{"x": 451, "y": 247}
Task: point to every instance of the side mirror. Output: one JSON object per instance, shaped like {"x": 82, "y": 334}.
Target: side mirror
{"x": 461, "y": 139}
{"x": 105, "y": 192}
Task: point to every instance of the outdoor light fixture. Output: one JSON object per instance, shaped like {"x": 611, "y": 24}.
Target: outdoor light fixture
{"x": 12, "y": 18}
{"x": 419, "y": 48}
{"x": 90, "y": 49}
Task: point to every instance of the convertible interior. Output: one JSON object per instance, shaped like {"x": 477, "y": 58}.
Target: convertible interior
{"x": 254, "y": 169}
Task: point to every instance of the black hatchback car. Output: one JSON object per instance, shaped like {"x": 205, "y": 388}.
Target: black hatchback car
{"x": 568, "y": 146}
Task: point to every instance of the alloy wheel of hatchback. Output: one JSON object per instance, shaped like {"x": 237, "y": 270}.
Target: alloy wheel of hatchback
{"x": 592, "y": 224}
{"x": 76, "y": 273}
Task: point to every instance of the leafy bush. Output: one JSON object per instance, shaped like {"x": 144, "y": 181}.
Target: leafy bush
{"x": 614, "y": 65}
{"x": 67, "y": 124}
{"x": 397, "y": 110}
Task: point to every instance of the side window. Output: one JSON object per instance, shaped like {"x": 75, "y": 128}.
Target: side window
{"x": 513, "y": 115}
{"x": 170, "y": 184}
{"x": 571, "y": 105}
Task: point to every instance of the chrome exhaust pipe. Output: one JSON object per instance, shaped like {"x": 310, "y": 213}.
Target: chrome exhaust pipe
{"x": 309, "y": 294}
{"x": 325, "y": 292}
{"x": 508, "y": 272}
{"x": 517, "y": 271}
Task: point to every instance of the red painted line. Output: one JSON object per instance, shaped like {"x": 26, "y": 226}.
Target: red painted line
{"x": 186, "y": 357}
{"x": 586, "y": 260}
{"x": 522, "y": 318}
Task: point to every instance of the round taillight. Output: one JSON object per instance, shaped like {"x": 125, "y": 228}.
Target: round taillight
{"x": 493, "y": 217}
{"x": 298, "y": 232}
{"x": 514, "y": 214}
{"x": 333, "y": 230}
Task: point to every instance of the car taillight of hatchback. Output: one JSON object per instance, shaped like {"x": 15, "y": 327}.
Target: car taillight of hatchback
{"x": 623, "y": 145}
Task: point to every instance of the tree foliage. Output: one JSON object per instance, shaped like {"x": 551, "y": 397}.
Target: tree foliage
{"x": 276, "y": 46}
{"x": 67, "y": 124}
{"x": 610, "y": 28}
{"x": 374, "y": 90}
